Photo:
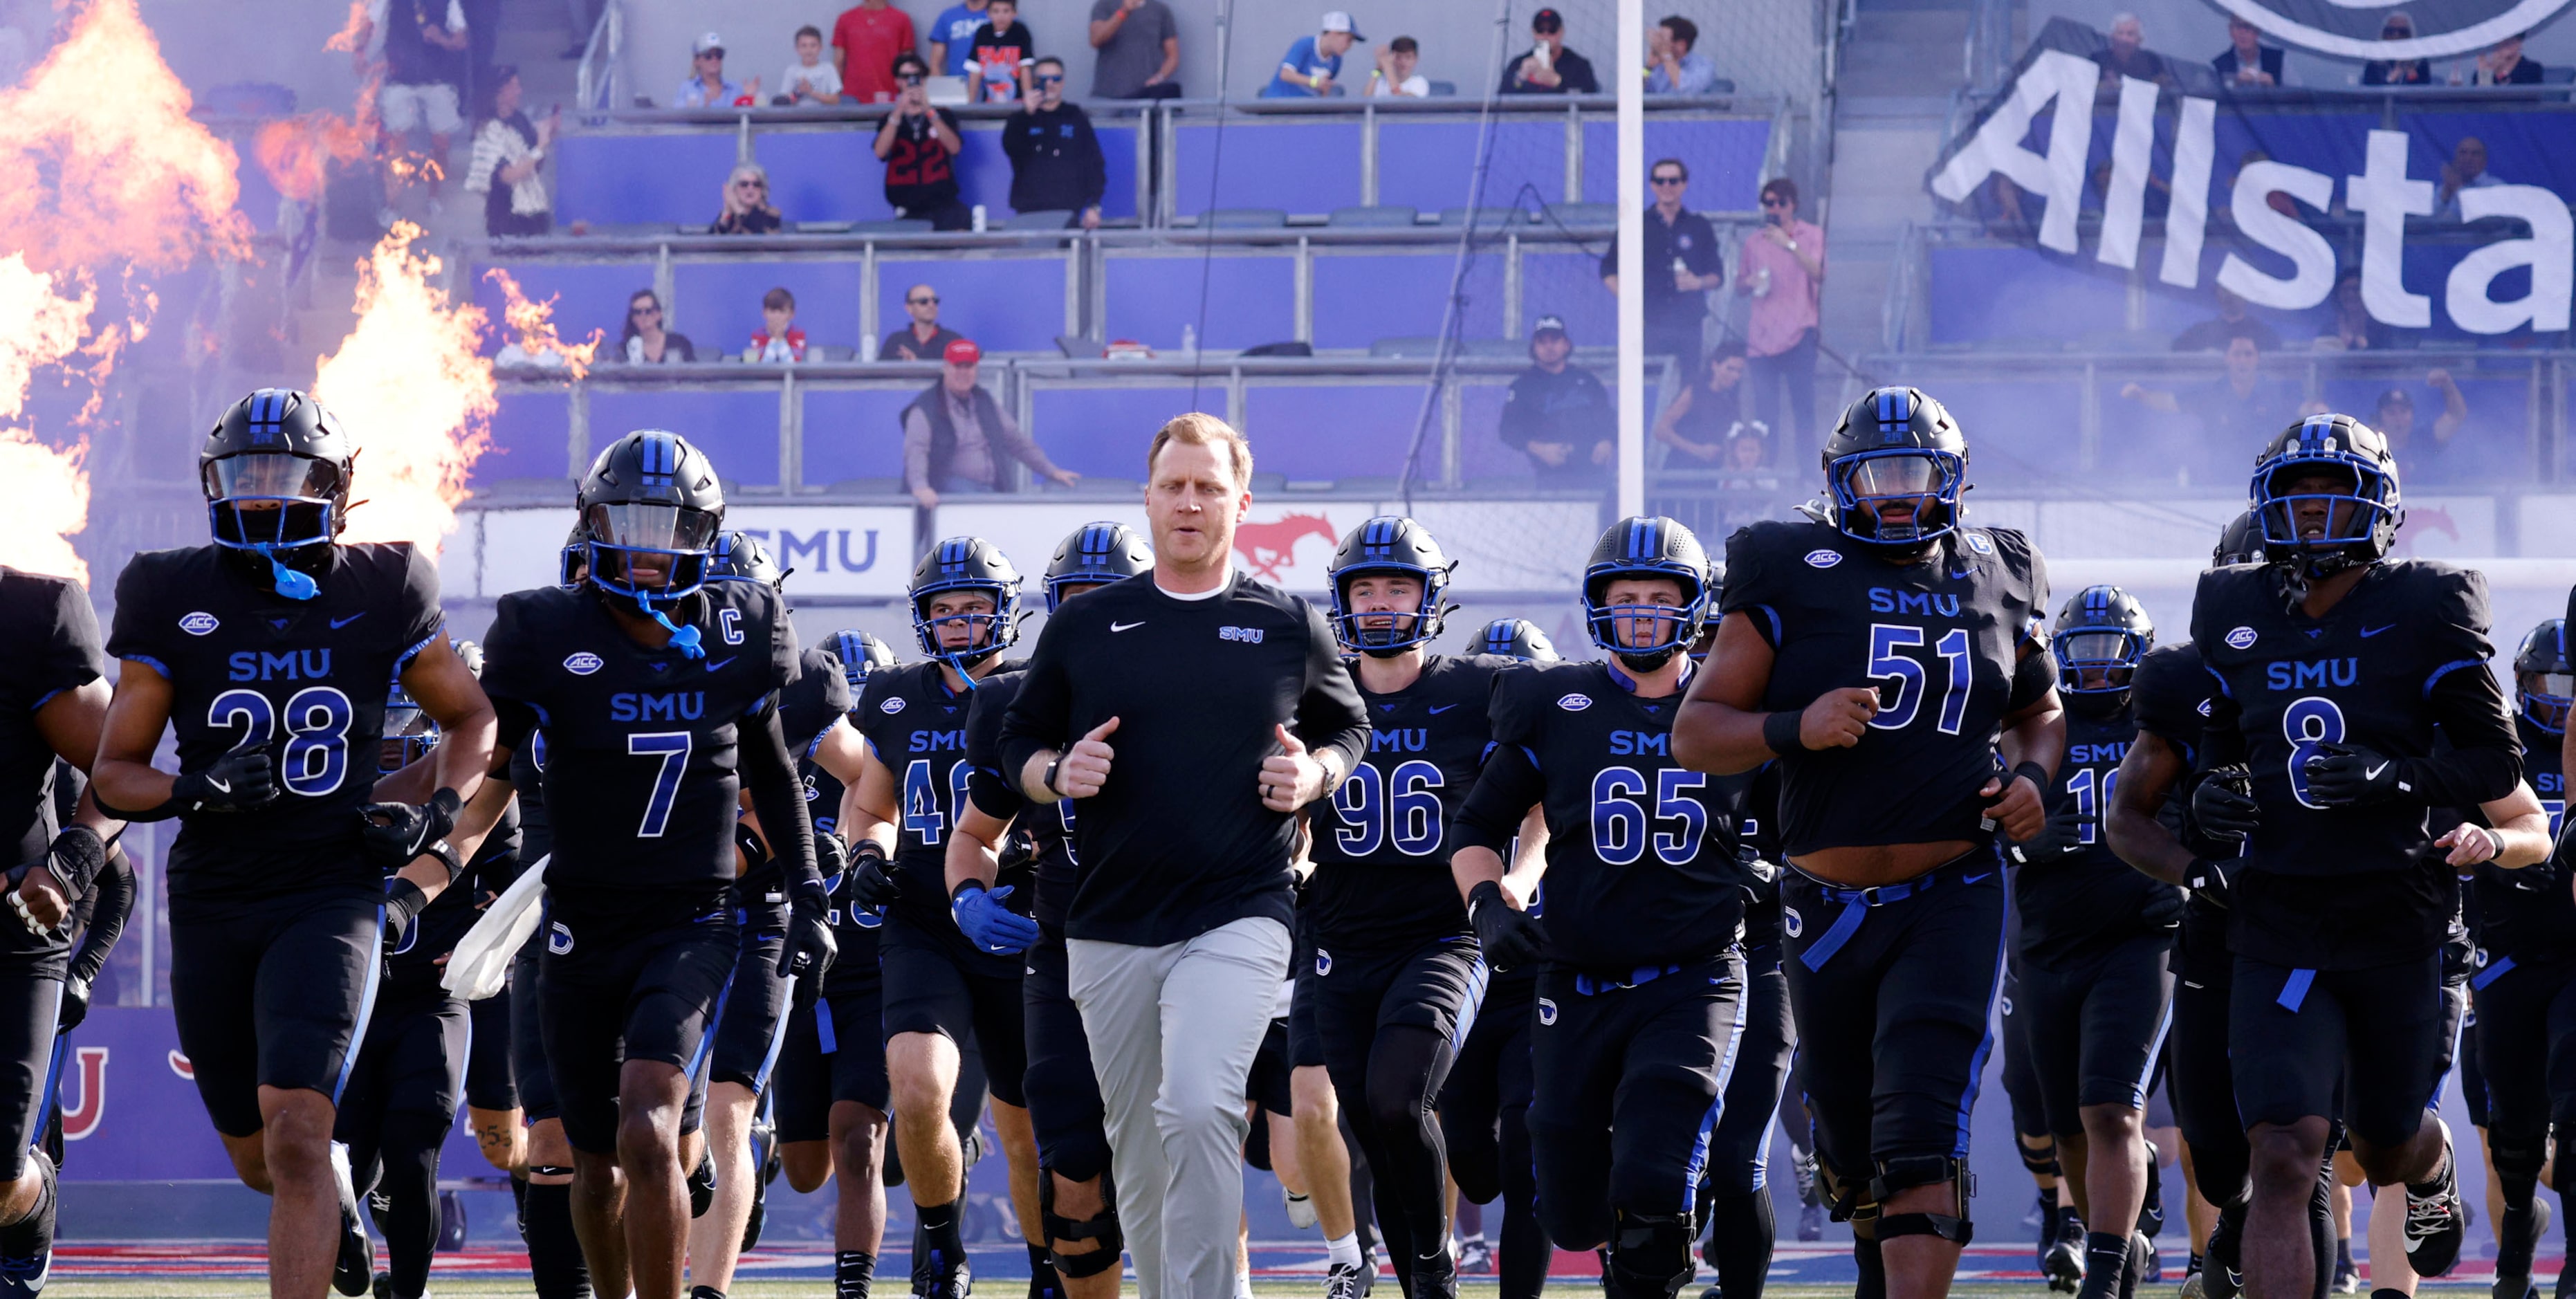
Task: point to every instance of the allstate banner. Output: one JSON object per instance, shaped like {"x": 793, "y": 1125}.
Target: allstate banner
{"x": 2454, "y": 211}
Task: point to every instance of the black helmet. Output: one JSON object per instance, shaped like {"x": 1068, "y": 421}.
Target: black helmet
{"x": 574, "y": 566}
{"x": 1895, "y": 445}
{"x": 1395, "y": 545}
{"x": 2102, "y": 630}
{"x": 1517, "y": 638}
{"x": 967, "y": 564}
{"x": 739, "y": 557}
{"x": 859, "y": 654}
{"x": 651, "y": 494}
{"x": 2360, "y": 523}
{"x": 1647, "y": 547}
{"x": 2542, "y": 681}
{"x": 1095, "y": 554}
{"x": 276, "y": 471}
{"x": 2240, "y": 542}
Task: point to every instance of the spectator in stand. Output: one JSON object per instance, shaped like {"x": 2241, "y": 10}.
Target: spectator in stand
{"x": 1395, "y": 76}
{"x": 1782, "y": 268}
{"x": 1674, "y": 65}
{"x": 424, "y": 66}
{"x": 955, "y": 436}
{"x": 2355, "y": 330}
{"x": 2505, "y": 66}
{"x": 1748, "y": 454}
{"x": 2397, "y": 72}
{"x": 809, "y": 80}
{"x": 2396, "y": 418}
{"x": 2233, "y": 322}
{"x": 1549, "y": 68}
{"x": 1703, "y": 419}
{"x": 1559, "y": 415}
{"x": 746, "y": 204}
{"x": 2236, "y": 414}
{"x": 2247, "y": 61}
{"x": 2467, "y": 169}
{"x": 952, "y": 37}
{"x": 1004, "y": 51}
{"x": 645, "y": 341}
{"x": 1313, "y": 61}
{"x": 778, "y": 341}
{"x": 925, "y": 339}
{"x": 919, "y": 144}
{"x": 1140, "y": 50}
{"x": 707, "y": 86}
{"x": 867, "y": 39}
{"x": 1055, "y": 159}
{"x": 1682, "y": 265}
{"x": 508, "y": 151}
{"x": 2128, "y": 56}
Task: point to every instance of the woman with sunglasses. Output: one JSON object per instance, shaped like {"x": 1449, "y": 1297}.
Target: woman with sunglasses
{"x": 746, "y": 204}
{"x": 2398, "y": 72}
{"x": 645, "y": 341}
{"x": 1782, "y": 268}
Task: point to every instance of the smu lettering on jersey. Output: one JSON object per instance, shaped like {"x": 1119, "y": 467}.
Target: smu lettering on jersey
{"x": 2070, "y": 909}
{"x": 2526, "y": 916}
{"x": 641, "y": 778}
{"x": 1939, "y": 639}
{"x": 48, "y": 645}
{"x": 1641, "y": 853}
{"x": 1049, "y": 893}
{"x": 917, "y": 727}
{"x": 1381, "y": 842}
{"x": 309, "y": 676}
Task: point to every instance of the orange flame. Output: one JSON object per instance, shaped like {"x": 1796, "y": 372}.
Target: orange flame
{"x": 410, "y": 387}
{"x": 39, "y": 327}
{"x": 355, "y": 30}
{"x": 292, "y": 151}
{"x": 532, "y": 328}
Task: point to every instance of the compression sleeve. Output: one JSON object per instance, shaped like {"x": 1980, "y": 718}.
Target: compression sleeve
{"x": 2033, "y": 674}
{"x": 112, "y": 901}
{"x": 2484, "y": 760}
{"x": 1505, "y": 790}
{"x": 778, "y": 795}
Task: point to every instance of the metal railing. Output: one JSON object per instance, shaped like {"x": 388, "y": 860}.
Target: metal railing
{"x": 602, "y": 70}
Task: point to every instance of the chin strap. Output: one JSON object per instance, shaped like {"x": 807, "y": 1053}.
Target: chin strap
{"x": 292, "y": 584}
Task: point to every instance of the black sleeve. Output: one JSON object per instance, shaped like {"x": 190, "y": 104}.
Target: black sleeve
{"x": 1038, "y": 718}
{"x": 1579, "y": 79}
{"x": 1510, "y": 782}
{"x": 2484, "y": 760}
{"x": 1329, "y": 714}
{"x": 1014, "y": 134}
{"x": 1747, "y": 589}
{"x": 2032, "y": 676}
{"x": 989, "y": 785}
{"x": 1703, "y": 258}
{"x": 1610, "y": 258}
{"x": 66, "y": 647}
{"x": 1511, "y": 74}
{"x": 111, "y": 901}
{"x": 137, "y": 632}
{"x": 1518, "y": 421}
{"x": 422, "y": 614}
{"x": 1095, "y": 169}
{"x": 778, "y": 795}
{"x": 512, "y": 669}
{"x": 518, "y": 722}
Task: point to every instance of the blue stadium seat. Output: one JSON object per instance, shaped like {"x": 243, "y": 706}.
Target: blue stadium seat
{"x": 738, "y": 429}
{"x": 854, "y": 433}
{"x": 1362, "y": 297}
{"x": 824, "y": 175}
{"x": 1430, "y": 164}
{"x": 718, "y": 303}
{"x": 1306, "y": 432}
{"x": 1244, "y": 218}
{"x": 1248, "y": 297}
{"x": 1568, "y": 284}
{"x": 529, "y": 432}
{"x": 1005, "y": 303}
{"x": 1296, "y": 165}
{"x": 670, "y": 177}
{"x": 1725, "y": 157}
{"x": 1106, "y": 430}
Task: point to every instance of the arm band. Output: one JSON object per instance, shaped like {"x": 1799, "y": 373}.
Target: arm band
{"x": 78, "y": 856}
{"x": 1780, "y": 732}
{"x": 2036, "y": 774}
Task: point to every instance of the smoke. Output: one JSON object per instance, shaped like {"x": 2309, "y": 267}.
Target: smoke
{"x": 411, "y": 387}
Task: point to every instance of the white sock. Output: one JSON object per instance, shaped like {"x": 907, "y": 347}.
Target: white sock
{"x": 1344, "y": 1249}
{"x": 1243, "y": 1285}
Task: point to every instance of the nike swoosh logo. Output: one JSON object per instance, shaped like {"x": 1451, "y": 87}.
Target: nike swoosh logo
{"x": 1125, "y": 626}
{"x": 221, "y": 786}
{"x": 2368, "y": 632}
{"x": 2373, "y": 773}
{"x": 338, "y": 623}
{"x": 717, "y": 665}
{"x": 1971, "y": 879}
{"x": 1436, "y": 711}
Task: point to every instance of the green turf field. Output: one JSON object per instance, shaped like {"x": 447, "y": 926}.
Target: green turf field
{"x": 160, "y": 1288}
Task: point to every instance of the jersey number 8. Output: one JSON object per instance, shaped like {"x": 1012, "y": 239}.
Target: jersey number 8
{"x": 1405, "y": 801}
{"x": 2309, "y": 721}
{"x": 316, "y": 758}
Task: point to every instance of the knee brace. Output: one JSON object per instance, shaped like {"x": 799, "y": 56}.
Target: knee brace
{"x": 2040, "y": 1159}
{"x": 1650, "y": 1255}
{"x": 1907, "y": 1172}
{"x": 2513, "y": 1159}
{"x": 1101, "y": 1228}
{"x": 1845, "y": 1201}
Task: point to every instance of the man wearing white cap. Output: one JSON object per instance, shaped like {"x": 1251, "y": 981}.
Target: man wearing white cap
{"x": 1314, "y": 61}
{"x": 706, "y": 86}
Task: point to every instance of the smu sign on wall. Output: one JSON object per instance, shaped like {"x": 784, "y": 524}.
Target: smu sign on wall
{"x": 2074, "y": 145}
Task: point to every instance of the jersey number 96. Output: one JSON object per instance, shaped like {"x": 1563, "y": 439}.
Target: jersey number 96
{"x": 1403, "y": 804}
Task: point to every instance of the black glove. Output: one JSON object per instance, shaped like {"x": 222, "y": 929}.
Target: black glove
{"x": 2060, "y": 841}
{"x": 2346, "y": 775}
{"x": 75, "y": 1007}
{"x": 873, "y": 883}
{"x": 404, "y": 901}
{"x": 396, "y": 833}
{"x": 2209, "y": 879}
{"x": 1508, "y": 936}
{"x": 243, "y": 779}
{"x": 2223, "y": 806}
{"x": 831, "y": 860}
{"x": 810, "y": 945}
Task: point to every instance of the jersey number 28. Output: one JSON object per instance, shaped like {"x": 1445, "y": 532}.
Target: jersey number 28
{"x": 316, "y": 757}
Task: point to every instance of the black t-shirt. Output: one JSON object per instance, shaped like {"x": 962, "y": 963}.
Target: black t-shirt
{"x": 1939, "y": 638}
{"x": 1689, "y": 239}
{"x": 310, "y": 675}
{"x": 1382, "y": 841}
{"x": 1178, "y": 842}
{"x": 1049, "y": 892}
{"x": 1642, "y": 866}
{"x": 2406, "y": 649}
{"x": 641, "y": 778}
{"x": 916, "y": 726}
{"x": 921, "y": 174}
{"x": 2073, "y": 909}
{"x": 52, "y": 643}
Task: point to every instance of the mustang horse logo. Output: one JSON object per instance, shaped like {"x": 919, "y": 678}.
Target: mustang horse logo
{"x": 1269, "y": 547}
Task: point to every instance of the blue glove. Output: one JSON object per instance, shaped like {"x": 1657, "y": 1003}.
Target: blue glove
{"x": 988, "y": 924}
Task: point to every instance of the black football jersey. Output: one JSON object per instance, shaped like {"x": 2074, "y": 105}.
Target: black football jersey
{"x": 2071, "y": 909}
{"x": 415, "y": 968}
{"x": 528, "y": 781}
{"x": 916, "y": 726}
{"x": 1939, "y": 639}
{"x": 854, "y": 970}
{"x": 1381, "y": 842}
{"x": 1049, "y": 891}
{"x": 808, "y": 707}
{"x": 309, "y": 676}
{"x": 2170, "y": 697}
{"x": 641, "y": 778}
{"x": 51, "y": 645}
{"x": 1641, "y": 852}
{"x": 2527, "y": 916}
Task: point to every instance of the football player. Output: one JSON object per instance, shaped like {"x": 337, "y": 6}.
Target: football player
{"x": 658, "y": 693}
{"x": 943, "y": 987}
{"x": 2334, "y": 666}
{"x": 1516, "y": 638}
{"x": 1641, "y": 987}
{"x": 270, "y": 652}
{"x": 2095, "y": 942}
{"x": 1890, "y": 796}
{"x": 1078, "y": 1237}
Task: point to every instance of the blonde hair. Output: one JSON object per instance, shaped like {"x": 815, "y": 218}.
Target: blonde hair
{"x": 1202, "y": 429}
{"x": 733, "y": 204}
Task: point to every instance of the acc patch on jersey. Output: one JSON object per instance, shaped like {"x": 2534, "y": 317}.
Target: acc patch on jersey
{"x": 582, "y": 664}
{"x": 1574, "y": 703}
{"x": 1821, "y": 557}
{"x": 893, "y": 704}
{"x": 199, "y": 623}
{"x": 2241, "y": 638}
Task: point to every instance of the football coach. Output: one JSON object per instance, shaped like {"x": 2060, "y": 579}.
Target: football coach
{"x": 1187, "y": 713}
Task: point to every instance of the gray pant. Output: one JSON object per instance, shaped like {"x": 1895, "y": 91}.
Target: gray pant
{"x": 1173, "y": 1032}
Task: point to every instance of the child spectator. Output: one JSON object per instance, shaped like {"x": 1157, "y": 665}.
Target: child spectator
{"x": 919, "y": 145}
{"x": 778, "y": 341}
{"x": 746, "y": 204}
{"x": 1004, "y": 50}
{"x": 1395, "y": 76}
{"x": 1308, "y": 69}
{"x": 866, "y": 40}
{"x": 1703, "y": 421}
{"x": 952, "y": 37}
{"x": 706, "y": 86}
{"x": 508, "y": 150}
{"x": 645, "y": 342}
{"x": 1055, "y": 159}
{"x": 924, "y": 339}
{"x": 809, "y": 80}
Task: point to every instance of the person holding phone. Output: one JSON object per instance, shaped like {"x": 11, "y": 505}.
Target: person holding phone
{"x": 1782, "y": 268}
{"x": 919, "y": 144}
{"x": 1550, "y": 68}
{"x": 508, "y": 151}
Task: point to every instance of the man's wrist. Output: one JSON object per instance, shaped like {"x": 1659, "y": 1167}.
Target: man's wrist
{"x": 2036, "y": 774}
{"x": 1780, "y": 732}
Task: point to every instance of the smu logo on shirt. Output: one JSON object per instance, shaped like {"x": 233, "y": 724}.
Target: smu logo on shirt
{"x": 293, "y": 665}
{"x": 938, "y": 741}
{"x": 1822, "y": 558}
{"x": 582, "y": 664}
{"x": 1640, "y": 742}
{"x": 1883, "y": 600}
{"x": 199, "y": 623}
{"x": 1245, "y": 635}
{"x": 2313, "y": 674}
{"x": 665, "y": 706}
{"x": 2096, "y": 754}
{"x": 1408, "y": 740}
{"x": 2241, "y": 638}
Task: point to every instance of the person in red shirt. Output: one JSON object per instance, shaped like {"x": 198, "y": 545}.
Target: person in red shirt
{"x": 778, "y": 341}
{"x": 866, "y": 40}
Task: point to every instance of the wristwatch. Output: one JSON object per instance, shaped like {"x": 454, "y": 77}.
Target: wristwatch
{"x": 1049, "y": 779}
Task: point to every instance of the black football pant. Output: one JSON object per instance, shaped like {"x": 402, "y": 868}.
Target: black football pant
{"x": 755, "y": 1005}
{"x": 834, "y": 1051}
{"x": 2377, "y": 1039}
{"x": 634, "y": 977}
{"x": 273, "y": 992}
{"x": 2526, "y": 1047}
{"x": 394, "y": 1115}
{"x": 1736, "y": 1183}
{"x": 1484, "y": 1123}
{"x": 30, "y": 1006}
{"x": 491, "y": 1079}
{"x": 2021, "y": 1076}
{"x": 1065, "y": 1109}
{"x": 2096, "y": 1025}
{"x": 2203, "y": 1082}
{"x": 1631, "y": 1068}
